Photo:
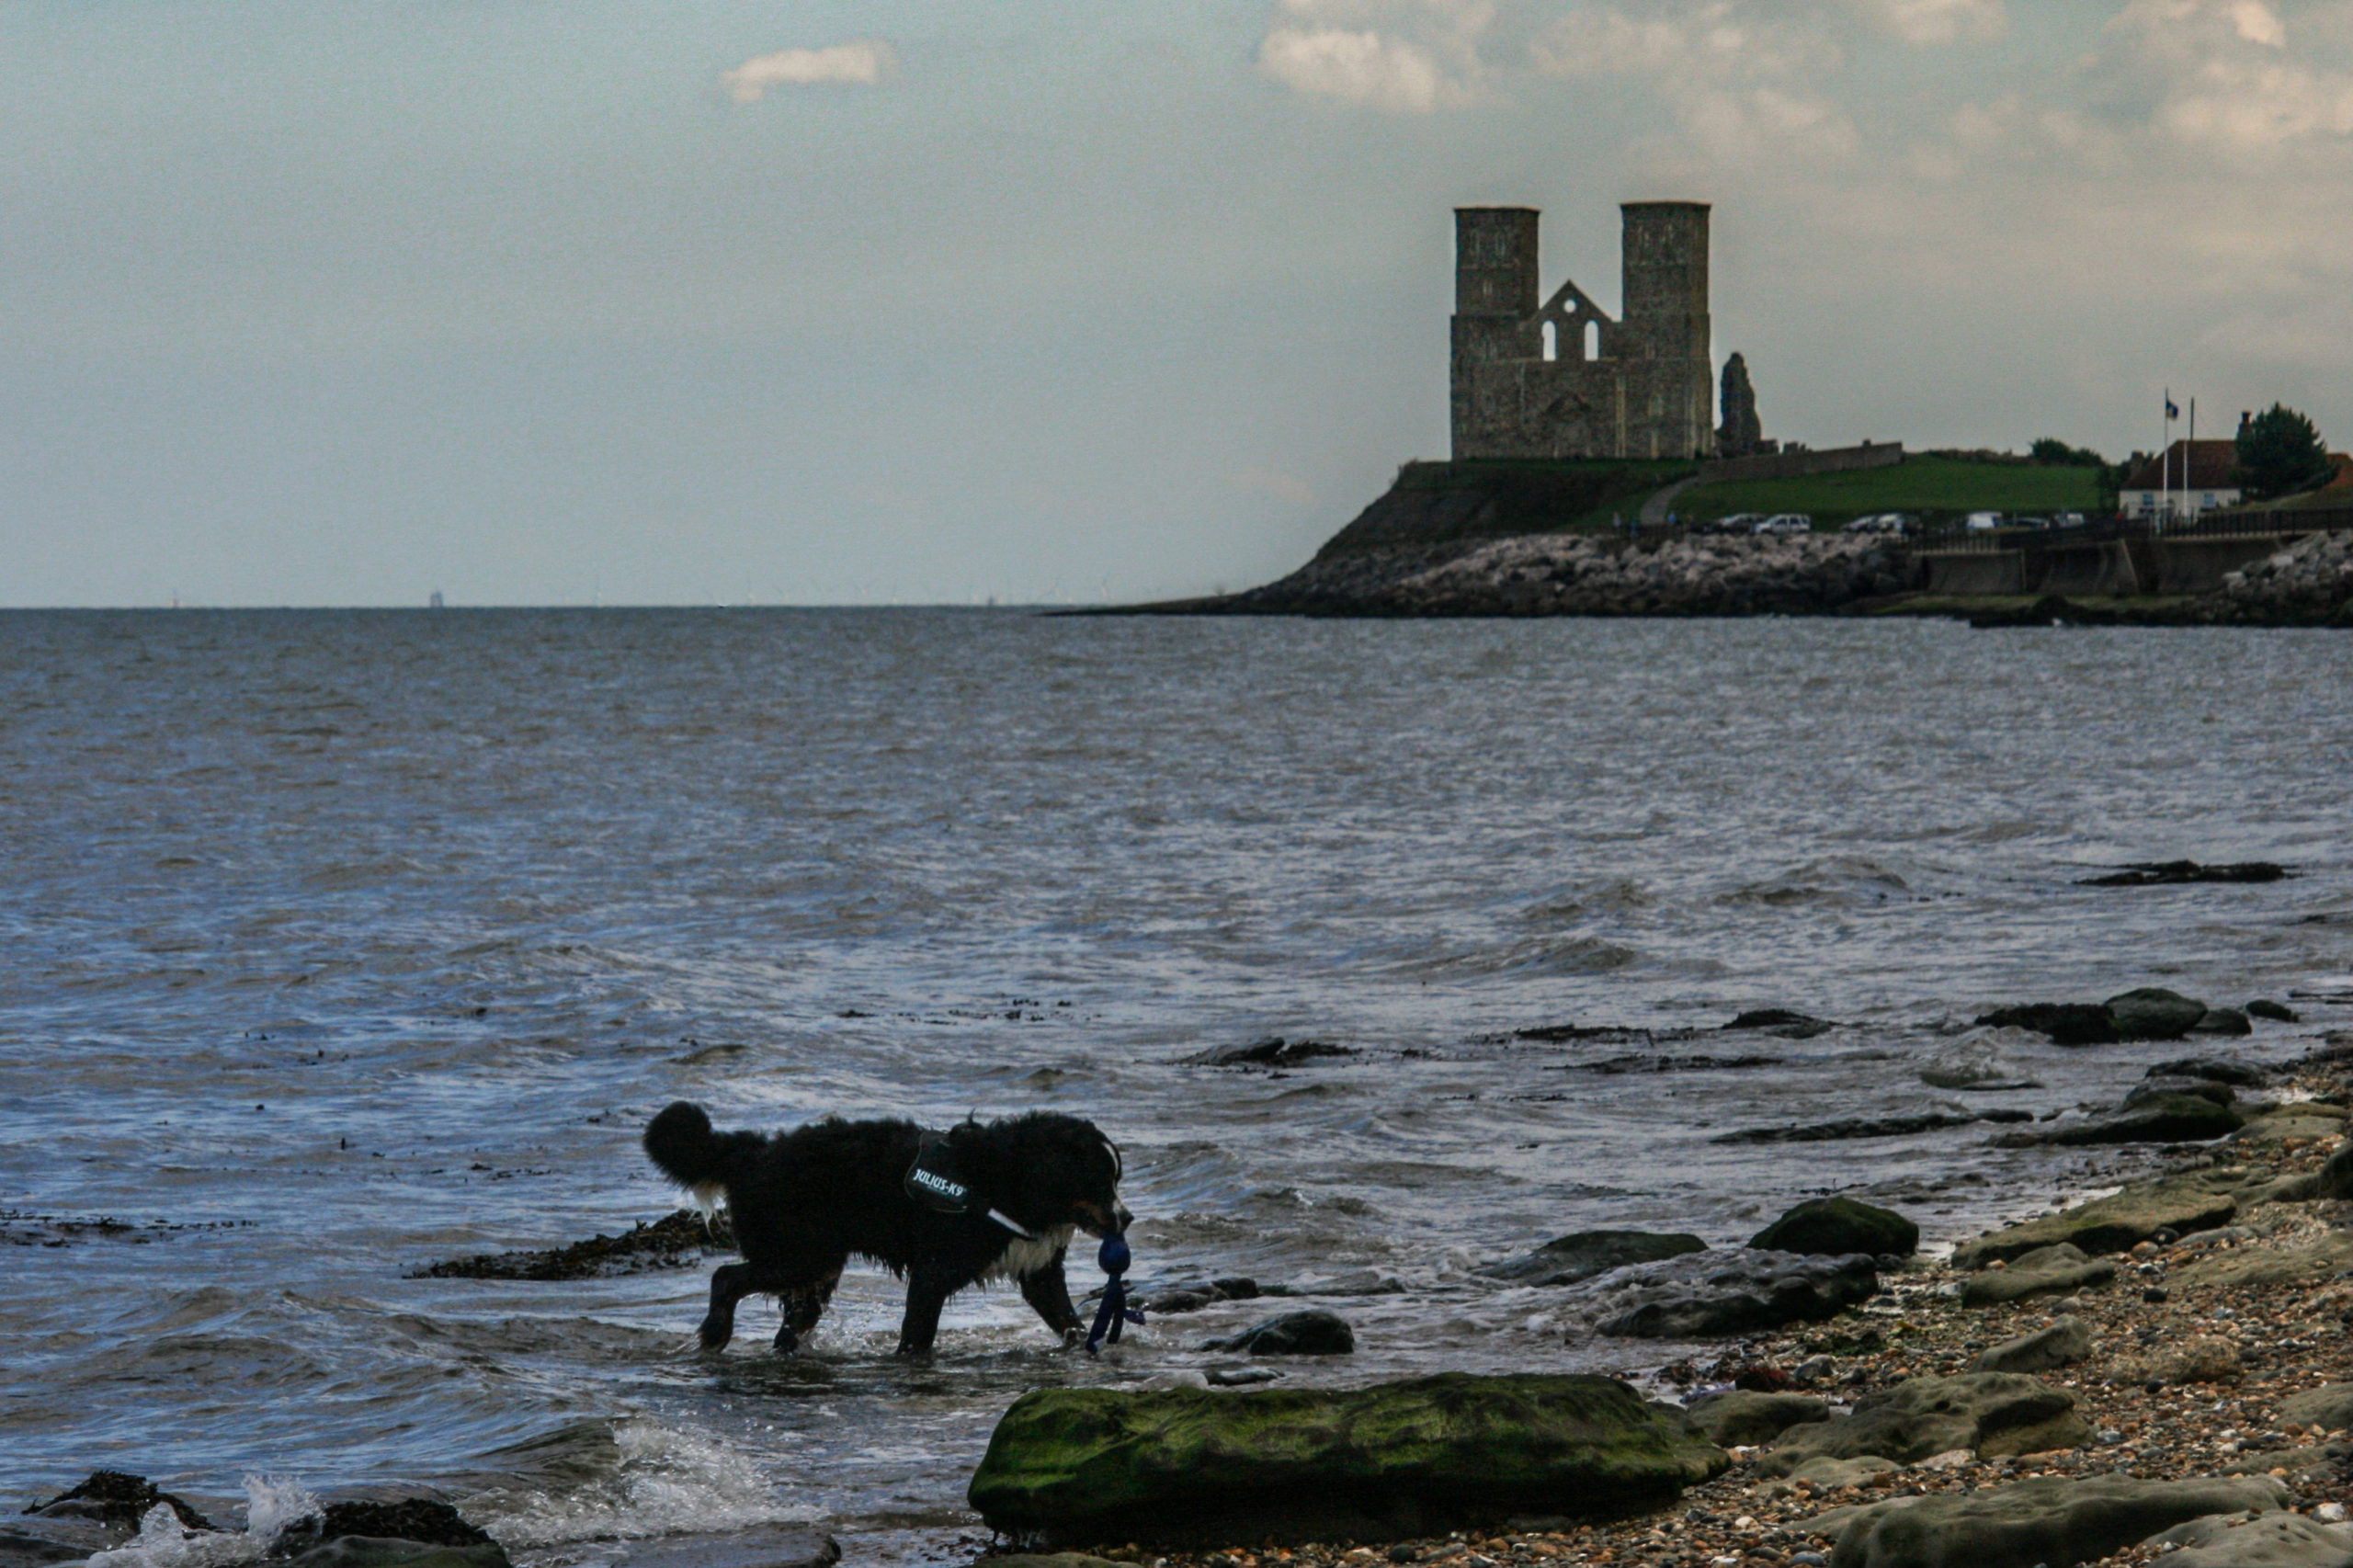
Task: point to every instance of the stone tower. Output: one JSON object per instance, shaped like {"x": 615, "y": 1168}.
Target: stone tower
{"x": 1560, "y": 377}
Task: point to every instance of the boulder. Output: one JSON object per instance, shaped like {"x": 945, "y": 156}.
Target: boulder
{"x": 2051, "y": 1520}
{"x": 2197, "y": 1359}
{"x": 1709, "y": 1295}
{"x": 2161, "y": 1118}
{"x": 2328, "y": 1407}
{"x": 2061, "y": 1343}
{"x": 385, "y": 1551}
{"x": 1271, "y": 1052}
{"x": 2277, "y": 1011}
{"x": 2250, "y": 1267}
{"x": 2223, "y": 1021}
{"x": 2334, "y": 1179}
{"x": 1741, "y": 1417}
{"x": 2238, "y": 1075}
{"x": 2066, "y": 1023}
{"x": 1836, "y": 1226}
{"x": 1395, "y": 1459}
{"x": 1312, "y": 1333}
{"x": 2115, "y": 1224}
{"x": 2060, "y": 1269}
{"x": 774, "y": 1546}
{"x": 1990, "y": 1414}
{"x": 2270, "y": 1540}
{"x": 2153, "y": 1013}
{"x": 1830, "y": 1474}
{"x": 1782, "y": 1022}
{"x": 2204, "y": 1088}
{"x": 1587, "y": 1252}
{"x": 117, "y": 1499}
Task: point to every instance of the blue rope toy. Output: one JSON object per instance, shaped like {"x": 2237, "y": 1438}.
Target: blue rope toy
{"x": 1112, "y": 1259}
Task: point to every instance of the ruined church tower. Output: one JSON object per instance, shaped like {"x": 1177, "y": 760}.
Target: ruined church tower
{"x": 1557, "y": 378}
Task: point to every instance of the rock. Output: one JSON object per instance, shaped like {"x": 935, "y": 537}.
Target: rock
{"x": 2161, "y": 1118}
{"x": 1836, "y": 1226}
{"x": 771, "y": 1546}
{"x": 2204, "y": 1088}
{"x": 1312, "y": 1333}
{"x": 2252, "y": 1268}
{"x": 2115, "y": 1224}
{"x": 2155, "y": 873}
{"x": 423, "y": 1519}
{"x": 2334, "y": 1179}
{"x": 2328, "y": 1407}
{"x": 2061, "y": 1343}
{"x": 1054, "y": 1559}
{"x": 2238, "y": 1075}
{"x": 23, "y": 1549}
{"x": 1744, "y": 1419}
{"x": 1988, "y": 1413}
{"x": 2305, "y": 1466}
{"x": 1830, "y": 1473}
{"x": 2275, "y": 1012}
{"x": 1272, "y": 1051}
{"x": 2224, "y": 1021}
{"x": 684, "y": 1239}
{"x": 1379, "y": 1463}
{"x": 1587, "y": 1252}
{"x": 2066, "y": 1023}
{"x": 1782, "y": 1022}
{"x": 1867, "y": 1127}
{"x": 2291, "y": 1121}
{"x": 2153, "y": 1013}
{"x": 2274, "y": 1541}
{"x": 115, "y": 1498}
{"x": 1708, "y": 1295}
{"x": 2059, "y": 1269}
{"x": 381, "y": 1552}
{"x": 1239, "y": 1377}
{"x": 2049, "y": 1520}
{"x": 2197, "y": 1359}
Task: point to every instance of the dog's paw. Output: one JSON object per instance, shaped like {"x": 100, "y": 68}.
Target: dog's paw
{"x": 715, "y": 1336}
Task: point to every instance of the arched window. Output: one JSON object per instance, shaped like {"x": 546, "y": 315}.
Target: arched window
{"x": 1551, "y": 345}
{"x": 1592, "y": 340}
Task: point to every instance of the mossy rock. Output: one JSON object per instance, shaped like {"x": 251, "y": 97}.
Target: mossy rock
{"x": 1833, "y": 1227}
{"x": 1988, "y": 1413}
{"x": 2115, "y": 1224}
{"x": 1071, "y": 1466}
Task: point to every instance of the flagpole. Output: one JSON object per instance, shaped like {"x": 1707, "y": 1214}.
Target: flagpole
{"x": 2187, "y": 453}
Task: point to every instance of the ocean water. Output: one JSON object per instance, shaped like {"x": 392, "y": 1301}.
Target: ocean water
{"x": 338, "y": 943}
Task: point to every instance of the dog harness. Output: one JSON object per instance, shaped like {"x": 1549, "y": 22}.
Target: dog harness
{"x": 934, "y": 1182}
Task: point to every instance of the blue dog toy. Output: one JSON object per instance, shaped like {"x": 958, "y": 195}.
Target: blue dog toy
{"x": 1115, "y": 1311}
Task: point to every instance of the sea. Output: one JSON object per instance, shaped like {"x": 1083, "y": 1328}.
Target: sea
{"x": 340, "y": 943}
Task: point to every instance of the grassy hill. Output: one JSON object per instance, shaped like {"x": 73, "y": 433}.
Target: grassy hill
{"x": 1933, "y": 487}
{"x": 1440, "y": 503}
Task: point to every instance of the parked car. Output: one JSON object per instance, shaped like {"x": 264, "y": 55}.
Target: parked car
{"x": 2032, "y": 523}
{"x": 1784, "y": 523}
{"x": 2066, "y": 519}
{"x": 1881, "y": 523}
{"x": 1982, "y": 522}
{"x": 1738, "y": 523}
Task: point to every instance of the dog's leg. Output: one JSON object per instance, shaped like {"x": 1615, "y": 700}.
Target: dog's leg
{"x": 927, "y": 1292}
{"x": 730, "y": 1283}
{"x": 803, "y": 1305}
{"x": 1045, "y": 1290}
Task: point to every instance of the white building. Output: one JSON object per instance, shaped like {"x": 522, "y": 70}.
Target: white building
{"x": 2191, "y": 478}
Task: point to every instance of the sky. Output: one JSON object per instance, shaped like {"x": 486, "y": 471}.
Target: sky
{"x": 870, "y": 302}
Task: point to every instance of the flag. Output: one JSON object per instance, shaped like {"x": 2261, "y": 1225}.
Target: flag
{"x": 2172, "y": 412}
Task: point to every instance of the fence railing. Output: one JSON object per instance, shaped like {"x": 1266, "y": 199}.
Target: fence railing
{"x": 1953, "y": 538}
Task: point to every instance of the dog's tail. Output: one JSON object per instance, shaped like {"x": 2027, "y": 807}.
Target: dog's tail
{"x": 682, "y": 1145}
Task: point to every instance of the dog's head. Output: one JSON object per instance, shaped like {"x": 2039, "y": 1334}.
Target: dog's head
{"x": 1056, "y": 1170}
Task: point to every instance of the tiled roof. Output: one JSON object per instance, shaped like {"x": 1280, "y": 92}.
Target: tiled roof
{"x": 2209, "y": 468}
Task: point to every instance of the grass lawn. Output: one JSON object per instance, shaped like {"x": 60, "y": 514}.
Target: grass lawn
{"x": 1934, "y": 487}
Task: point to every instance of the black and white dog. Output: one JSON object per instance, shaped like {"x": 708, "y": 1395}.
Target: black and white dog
{"x": 942, "y": 1212}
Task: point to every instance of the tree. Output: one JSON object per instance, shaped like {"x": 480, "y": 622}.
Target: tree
{"x": 2052, "y": 452}
{"x": 2279, "y": 453}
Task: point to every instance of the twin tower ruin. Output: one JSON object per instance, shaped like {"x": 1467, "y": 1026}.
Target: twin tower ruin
{"x": 1557, "y": 378}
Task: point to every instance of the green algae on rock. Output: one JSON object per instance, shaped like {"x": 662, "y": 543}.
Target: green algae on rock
{"x": 2115, "y": 1224}
{"x": 1835, "y": 1226}
{"x": 1071, "y": 1466}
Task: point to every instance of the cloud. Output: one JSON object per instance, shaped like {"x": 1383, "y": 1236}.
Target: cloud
{"x": 864, "y": 63}
{"x": 2234, "y": 77}
{"x": 1397, "y": 56}
{"x": 1936, "y": 21}
{"x": 1288, "y": 488}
